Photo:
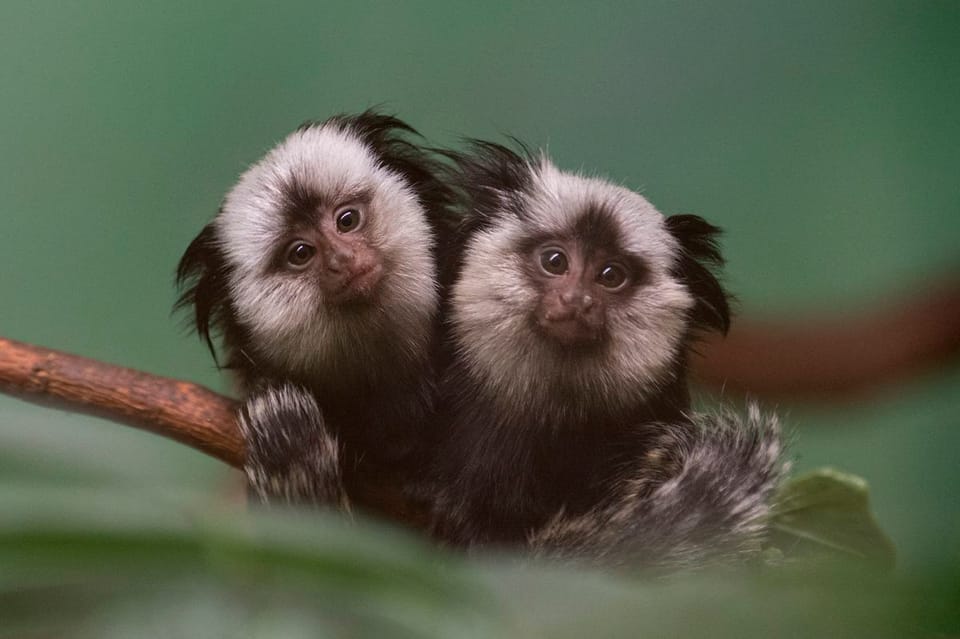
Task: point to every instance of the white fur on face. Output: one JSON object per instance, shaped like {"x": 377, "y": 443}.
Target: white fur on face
{"x": 494, "y": 301}
{"x": 286, "y": 315}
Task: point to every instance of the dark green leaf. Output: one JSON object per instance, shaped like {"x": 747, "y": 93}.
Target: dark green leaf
{"x": 826, "y": 513}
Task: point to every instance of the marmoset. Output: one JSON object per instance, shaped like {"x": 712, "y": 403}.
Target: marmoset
{"x": 564, "y": 422}
{"x": 320, "y": 274}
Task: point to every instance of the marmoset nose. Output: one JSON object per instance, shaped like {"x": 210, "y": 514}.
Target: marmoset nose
{"x": 338, "y": 261}
{"x": 577, "y": 299}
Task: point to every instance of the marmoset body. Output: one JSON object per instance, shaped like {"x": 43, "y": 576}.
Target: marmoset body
{"x": 565, "y": 420}
{"x": 320, "y": 274}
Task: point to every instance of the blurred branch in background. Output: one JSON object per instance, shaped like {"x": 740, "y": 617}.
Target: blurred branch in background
{"x": 837, "y": 358}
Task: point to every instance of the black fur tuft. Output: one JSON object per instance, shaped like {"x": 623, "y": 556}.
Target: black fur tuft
{"x": 201, "y": 275}
{"x": 700, "y": 257}
{"x": 386, "y": 135}
{"x": 492, "y": 178}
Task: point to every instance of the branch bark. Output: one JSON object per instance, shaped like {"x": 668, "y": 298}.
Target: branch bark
{"x": 186, "y": 412}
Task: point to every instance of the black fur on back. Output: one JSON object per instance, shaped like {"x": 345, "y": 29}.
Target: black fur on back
{"x": 503, "y": 472}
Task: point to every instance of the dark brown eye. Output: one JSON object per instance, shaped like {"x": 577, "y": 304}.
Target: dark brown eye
{"x": 300, "y": 253}
{"x": 612, "y": 276}
{"x": 348, "y": 220}
{"x": 553, "y": 261}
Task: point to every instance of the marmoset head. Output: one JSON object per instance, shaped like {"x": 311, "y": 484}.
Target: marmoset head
{"x": 573, "y": 285}
{"x": 320, "y": 259}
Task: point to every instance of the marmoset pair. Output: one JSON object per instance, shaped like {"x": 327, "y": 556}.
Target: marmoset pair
{"x": 481, "y": 327}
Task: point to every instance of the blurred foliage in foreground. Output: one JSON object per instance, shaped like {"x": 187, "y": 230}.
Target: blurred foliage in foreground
{"x": 109, "y": 563}
{"x": 121, "y": 554}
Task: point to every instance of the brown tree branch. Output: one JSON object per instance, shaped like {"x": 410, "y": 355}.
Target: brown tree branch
{"x": 186, "y": 412}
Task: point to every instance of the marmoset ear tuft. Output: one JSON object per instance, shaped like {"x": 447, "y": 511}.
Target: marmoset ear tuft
{"x": 201, "y": 275}
{"x": 696, "y": 267}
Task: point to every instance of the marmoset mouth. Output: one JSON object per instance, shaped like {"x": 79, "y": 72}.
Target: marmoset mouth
{"x": 360, "y": 286}
{"x": 569, "y": 331}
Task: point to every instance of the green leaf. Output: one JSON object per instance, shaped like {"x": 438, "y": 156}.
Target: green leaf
{"x": 826, "y": 513}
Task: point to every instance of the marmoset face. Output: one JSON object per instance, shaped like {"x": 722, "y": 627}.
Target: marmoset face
{"x": 319, "y": 238}
{"x": 571, "y": 285}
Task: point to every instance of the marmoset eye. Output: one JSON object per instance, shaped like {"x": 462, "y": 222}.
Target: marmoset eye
{"x": 554, "y": 261}
{"x": 300, "y": 253}
{"x": 348, "y": 220}
{"x": 612, "y": 276}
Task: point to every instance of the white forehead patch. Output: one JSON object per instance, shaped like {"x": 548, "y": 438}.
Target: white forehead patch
{"x": 557, "y": 199}
{"x": 327, "y": 159}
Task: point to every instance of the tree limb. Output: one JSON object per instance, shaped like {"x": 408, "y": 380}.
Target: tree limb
{"x": 186, "y": 412}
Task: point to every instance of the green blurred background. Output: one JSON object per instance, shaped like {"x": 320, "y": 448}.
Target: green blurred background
{"x": 824, "y": 137}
